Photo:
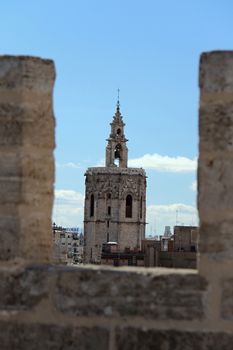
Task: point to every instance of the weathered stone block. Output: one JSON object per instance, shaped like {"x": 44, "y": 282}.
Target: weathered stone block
{"x": 26, "y": 73}
{"x": 19, "y": 122}
{"x": 22, "y": 336}
{"x": 142, "y": 339}
{"x": 16, "y": 133}
{"x": 44, "y": 132}
{"x": 22, "y": 289}
{"x": 215, "y": 186}
{"x": 9, "y": 237}
{"x": 38, "y": 227}
{"x": 26, "y": 159}
{"x": 216, "y": 74}
{"x": 10, "y": 164}
{"x": 11, "y": 133}
{"x": 174, "y": 295}
{"x": 14, "y": 111}
{"x": 227, "y": 299}
{"x": 216, "y": 240}
{"x": 10, "y": 190}
{"x": 38, "y": 168}
{"x": 216, "y": 127}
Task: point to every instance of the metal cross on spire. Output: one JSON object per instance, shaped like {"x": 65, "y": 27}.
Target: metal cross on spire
{"x": 118, "y": 98}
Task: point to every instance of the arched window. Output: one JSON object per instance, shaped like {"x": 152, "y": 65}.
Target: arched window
{"x": 118, "y": 131}
{"x": 129, "y": 206}
{"x": 92, "y": 205}
{"x": 117, "y": 153}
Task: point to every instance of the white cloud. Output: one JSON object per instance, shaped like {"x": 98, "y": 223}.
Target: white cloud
{"x": 68, "y": 165}
{"x": 193, "y": 186}
{"x": 159, "y": 216}
{"x": 161, "y": 163}
{"x": 68, "y": 208}
{"x": 100, "y": 163}
{"x": 69, "y": 195}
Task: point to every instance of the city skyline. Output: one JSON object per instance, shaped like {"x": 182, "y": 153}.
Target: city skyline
{"x": 144, "y": 50}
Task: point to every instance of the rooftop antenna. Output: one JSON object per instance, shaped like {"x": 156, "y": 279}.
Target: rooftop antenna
{"x": 176, "y": 217}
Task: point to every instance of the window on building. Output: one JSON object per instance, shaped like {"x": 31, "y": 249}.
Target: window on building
{"x": 109, "y": 210}
{"x": 92, "y": 205}
{"x": 109, "y": 196}
{"x": 129, "y": 206}
{"x": 117, "y": 155}
{"x": 108, "y": 223}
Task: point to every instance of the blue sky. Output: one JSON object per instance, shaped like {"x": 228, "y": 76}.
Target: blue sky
{"x": 149, "y": 49}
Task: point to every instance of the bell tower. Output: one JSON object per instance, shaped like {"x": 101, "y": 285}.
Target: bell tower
{"x": 115, "y": 199}
{"x": 116, "y": 150}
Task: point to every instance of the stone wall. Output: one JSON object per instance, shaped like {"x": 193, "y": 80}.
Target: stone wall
{"x": 26, "y": 158}
{"x": 178, "y": 259}
{"x": 50, "y": 307}
{"x": 185, "y": 238}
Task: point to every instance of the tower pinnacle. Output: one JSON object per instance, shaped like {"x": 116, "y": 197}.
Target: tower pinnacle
{"x": 116, "y": 150}
{"x": 118, "y": 100}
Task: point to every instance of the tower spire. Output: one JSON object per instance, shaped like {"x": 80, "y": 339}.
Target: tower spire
{"x": 118, "y": 100}
{"x": 116, "y": 150}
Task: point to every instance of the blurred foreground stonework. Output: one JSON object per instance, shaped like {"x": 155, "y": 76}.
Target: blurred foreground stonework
{"x": 45, "y": 306}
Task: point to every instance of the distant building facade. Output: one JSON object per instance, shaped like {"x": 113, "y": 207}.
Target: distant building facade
{"x": 185, "y": 238}
{"x": 115, "y": 199}
{"x": 67, "y": 246}
{"x": 167, "y": 231}
{"x": 177, "y": 250}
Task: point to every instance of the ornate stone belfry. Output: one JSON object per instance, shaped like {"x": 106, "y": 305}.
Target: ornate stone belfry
{"x": 115, "y": 199}
{"x": 116, "y": 150}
